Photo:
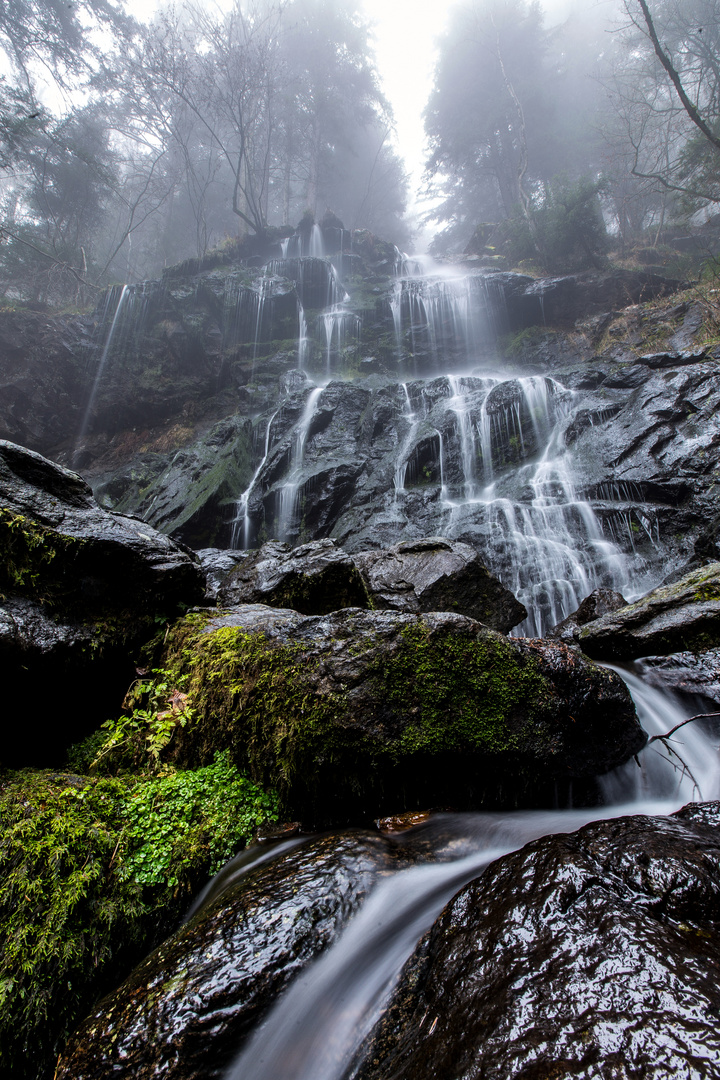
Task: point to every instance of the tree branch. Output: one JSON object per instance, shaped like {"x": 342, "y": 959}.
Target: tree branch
{"x": 675, "y": 79}
{"x": 699, "y": 716}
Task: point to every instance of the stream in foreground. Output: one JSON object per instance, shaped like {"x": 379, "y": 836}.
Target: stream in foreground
{"x": 315, "y": 1029}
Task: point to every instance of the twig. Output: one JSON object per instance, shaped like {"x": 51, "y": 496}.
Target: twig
{"x": 662, "y": 738}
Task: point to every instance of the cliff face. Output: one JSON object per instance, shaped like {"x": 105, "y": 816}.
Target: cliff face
{"x": 568, "y": 427}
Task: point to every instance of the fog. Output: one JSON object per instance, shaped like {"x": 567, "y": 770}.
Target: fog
{"x": 133, "y": 138}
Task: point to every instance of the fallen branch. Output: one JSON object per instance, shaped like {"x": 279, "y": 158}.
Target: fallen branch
{"x": 662, "y": 738}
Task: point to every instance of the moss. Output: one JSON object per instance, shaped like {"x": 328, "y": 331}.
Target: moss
{"x": 255, "y": 698}
{"x": 288, "y": 721}
{"x": 314, "y": 594}
{"x": 94, "y": 872}
{"x": 34, "y": 559}
{"x": 461, "y": 693}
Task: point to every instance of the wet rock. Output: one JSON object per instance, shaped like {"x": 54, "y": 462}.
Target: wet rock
{"x": 589, "y": 955}
{"x": 185, "y": 1011}
{"x": 357, "y": 714}
{"x": 190, "y": 493}
{"x": 673, "y": 618}
{"x": 629, "y": 378}
{"x": 673, "y": 359}
{"x": 599, "y": 602}
{"x": 707, "y": 545}
{"x": 562, "y": 301}
{"x": 81, "y": 587}
{"x": 435, "y": 574}
{"x": 314, "y": 579}
{"x": 693, "y": 674}
{"x": 216, "y": 564}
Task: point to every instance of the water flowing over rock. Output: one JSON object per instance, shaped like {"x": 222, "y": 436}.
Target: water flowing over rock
{"x": 359, "y": 713}
{"x": 329, "y": 386}
{"x": 669, "y": 619}
{"x": 236, "y": 956}
{"x": 80, "y": 587}
{"x": 696, "y": 674}
{"x": 593, "y": 954}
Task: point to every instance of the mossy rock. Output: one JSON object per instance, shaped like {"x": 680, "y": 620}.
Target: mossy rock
{"x": 672, "y": 618}
{"x": 94, "y": 871}
{"x": 80, "y": 590}
{"x": 359, "y": 713}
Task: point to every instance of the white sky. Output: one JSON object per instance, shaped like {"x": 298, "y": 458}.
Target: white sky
{"x": 405, "y": 33}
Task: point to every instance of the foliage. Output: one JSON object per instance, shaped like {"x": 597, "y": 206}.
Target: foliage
{"x": 95, "y": 871}
{"x": 155, "y": 707}
{"x": 167, "y": 837}
{"x": 28, "y": 554}
{"x": 569, "y": 228}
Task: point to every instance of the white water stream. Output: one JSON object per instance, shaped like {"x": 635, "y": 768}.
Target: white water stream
{"x": 316, "y": 1027}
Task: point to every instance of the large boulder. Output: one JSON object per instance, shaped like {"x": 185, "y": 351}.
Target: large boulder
{"x": 683, "y": 615}
{"x": 314, "y": 578}
{"x": 599, "y": 602}
{"x": 359, "y": 713}
{"x": 589, "y": 955}
{"x": 435, "y": 574}
{"x": 80, "y": 589}
{"x": 235, "y": 957}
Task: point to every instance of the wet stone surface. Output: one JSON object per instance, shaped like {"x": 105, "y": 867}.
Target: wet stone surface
{"x": 186, "y": 1010}
{"x": 669, "y": 619}
{"x": 585, "y": 956}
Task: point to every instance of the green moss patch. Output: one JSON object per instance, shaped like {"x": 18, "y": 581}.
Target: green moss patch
{"x": 461, "y": 694}
{"x": 95, "y": 871}
{"x": 369, "y": 705}
{"x": 33, "y": 559}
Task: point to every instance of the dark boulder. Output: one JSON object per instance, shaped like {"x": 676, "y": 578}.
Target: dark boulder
{"x": 81, "y": 588}
{"x": 314, "y": 579}
{"x": 217, "y": 563}
{"x": 234, "y": 957}
{"x": 599, "y": 602}
{"x": 435, "y": 574}
{"x": 589, "y": 955}
{"x": 357, "y": 714}
{"x": 562, "y": 301}
{"x": 672, "y": 618}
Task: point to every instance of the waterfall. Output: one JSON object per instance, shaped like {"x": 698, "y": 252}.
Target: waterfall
{"x": 483, "y": 457}
{"x": 123, "y": 316}
{"x": 241, "y": 525}
{"x": 289, "y": 492}
{"x": 303, "y": 339}
{"x": 440, "y": 318}
{"x": 412, "y": 422}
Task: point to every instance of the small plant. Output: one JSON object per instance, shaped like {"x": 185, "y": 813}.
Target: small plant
{"x": 155, "y": 707}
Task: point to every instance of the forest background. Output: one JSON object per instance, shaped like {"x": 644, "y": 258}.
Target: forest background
{"x": 127, "y": 146}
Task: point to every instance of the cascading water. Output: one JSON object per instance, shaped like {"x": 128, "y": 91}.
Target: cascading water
{"x": 289, "y": 492}
{"x": 501, "y": 474}
{"x": 494, "y": 445}
{"x": 412, "y": 422}
{"x": 316, "y": 1028}
{"x": 241, "y": 519}
{"x": 123, "y": 317}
